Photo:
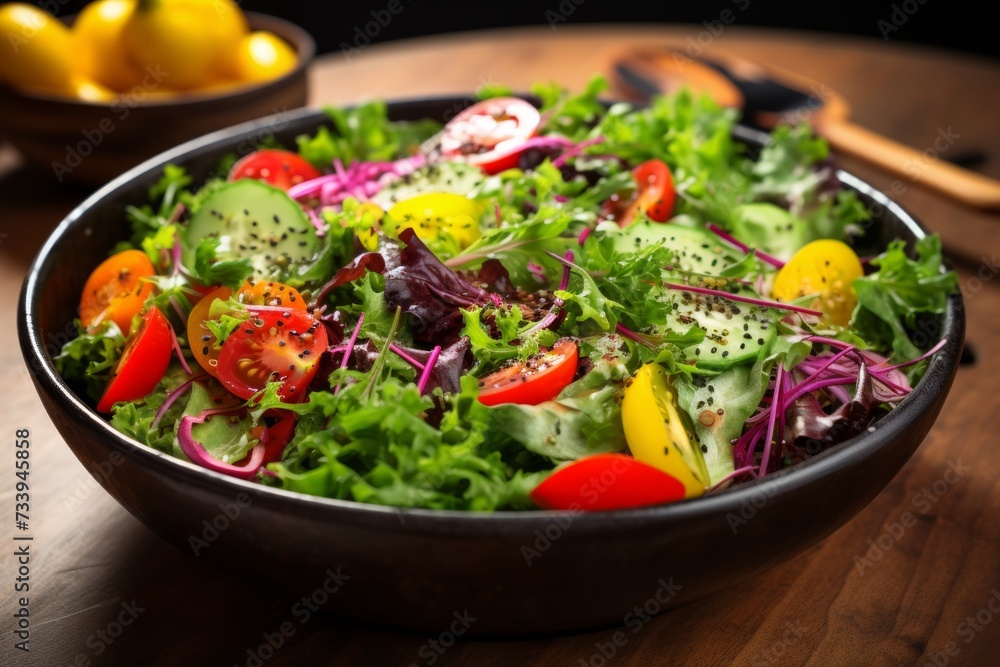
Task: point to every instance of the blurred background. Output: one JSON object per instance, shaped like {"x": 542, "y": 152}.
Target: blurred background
{"x": 960, "y": 25}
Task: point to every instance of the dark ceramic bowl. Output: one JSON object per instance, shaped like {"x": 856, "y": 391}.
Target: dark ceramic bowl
{"x": 515, "y": 573}
{"x": 91, "y": 143}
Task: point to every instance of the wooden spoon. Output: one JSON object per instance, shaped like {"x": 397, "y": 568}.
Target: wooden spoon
{"x": 773, "y": 95}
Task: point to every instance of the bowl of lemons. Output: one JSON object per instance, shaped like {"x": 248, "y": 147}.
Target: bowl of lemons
{"x": 88, "y": 96}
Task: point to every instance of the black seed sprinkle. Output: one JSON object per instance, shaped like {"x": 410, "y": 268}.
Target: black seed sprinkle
{"x": 760, "y": 341}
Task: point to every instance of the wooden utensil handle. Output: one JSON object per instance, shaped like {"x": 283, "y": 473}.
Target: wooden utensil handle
{"x": 927, "y": 170}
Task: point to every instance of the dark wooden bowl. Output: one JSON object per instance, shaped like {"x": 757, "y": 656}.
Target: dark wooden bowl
{"x": 515, "y": 573}
{"x": 91, "y": 143}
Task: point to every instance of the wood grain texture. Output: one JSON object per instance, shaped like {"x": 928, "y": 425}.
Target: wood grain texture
{"x": 824, "y": 607}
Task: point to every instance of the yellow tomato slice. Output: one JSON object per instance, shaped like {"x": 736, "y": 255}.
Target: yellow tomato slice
{"x": 116, "y": 290}
{"x": 432, "y": 213}
{"x": 203, "y": 342}
{"x": 655, "y": 433}
{"x": 827, "y": 268}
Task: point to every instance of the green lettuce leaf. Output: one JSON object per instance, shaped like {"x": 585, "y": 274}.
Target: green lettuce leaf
{"x": 890, "y": 299}
{"x": 583, "y": 419}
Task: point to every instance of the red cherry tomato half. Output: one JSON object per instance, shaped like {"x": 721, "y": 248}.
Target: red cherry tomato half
{"x": 654, "y": 192}
{"x": 143, "y": 362}
{"x": 606, "y": 482}
{"x": 491, "y": 133}
{"x": 282, "y": 169}
{"x": 273, "y": 344}
{"x": 540, "y": 378}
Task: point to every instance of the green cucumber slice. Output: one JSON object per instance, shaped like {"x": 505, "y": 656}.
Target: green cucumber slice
{"x": 696, "y": 251}
{"x": 451, "y": 177}
{"x": 735, "y": 332}
{"x": 252, "y": 219}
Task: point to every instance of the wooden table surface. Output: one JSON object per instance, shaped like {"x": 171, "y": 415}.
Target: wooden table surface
{"x": 876, "y": 592}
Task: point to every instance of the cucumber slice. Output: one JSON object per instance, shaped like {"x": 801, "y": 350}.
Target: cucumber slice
{"x": 770, "y": 228}
{"x": 735, "y": 332}
{"x": 451, "y": 177}
{"x": 696, "y": 251}
{"x": 252, "y": 219}
{"x": 719, "y": 407}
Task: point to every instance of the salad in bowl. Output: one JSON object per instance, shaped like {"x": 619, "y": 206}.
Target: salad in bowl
{"x": 552, "y": 303}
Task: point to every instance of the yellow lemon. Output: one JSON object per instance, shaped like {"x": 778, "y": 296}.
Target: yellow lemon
{"x": 263, "y": 56}
{"x": 190, "y": 41}
{"x": 35, "y": 49}
{"x": 100, "y": 52}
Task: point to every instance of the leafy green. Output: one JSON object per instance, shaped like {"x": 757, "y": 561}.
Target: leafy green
{"x": 518, "y": 338}
{"x": 225, "y": 437}
{"x": 208, "y": 270}
{"x": 380, "y": 449}
{"x": 890, "y": 299}
{"x": 363, "y": 133}
{"x": 784, "y": 171}
{"x": 584, "y": 419}
{"x": 584, "y": 301}
{"x": 573, "y": 116}
{"x": 147, "y": 220}
{"x": 90, "y": 356}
